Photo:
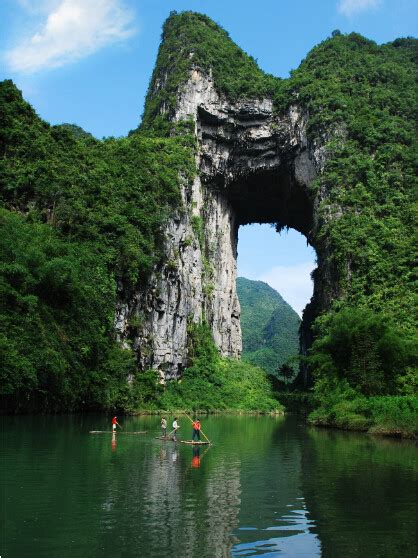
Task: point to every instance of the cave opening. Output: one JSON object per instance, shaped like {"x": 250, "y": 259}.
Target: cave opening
{"x": 272, "y": 198}
{"x": 283, "y": 260}
{"x": 275, "y": 264}
{"x": 274, "y": 285}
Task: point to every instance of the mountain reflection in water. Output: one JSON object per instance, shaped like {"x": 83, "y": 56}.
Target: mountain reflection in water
{"x": 268, "y": 486}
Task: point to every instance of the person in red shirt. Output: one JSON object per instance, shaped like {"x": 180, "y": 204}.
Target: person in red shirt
{"x": 196, "y": 429}
{"x": 114, "y": 423}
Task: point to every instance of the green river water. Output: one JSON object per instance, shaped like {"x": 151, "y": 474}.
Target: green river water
{"x": 267, "y": 487}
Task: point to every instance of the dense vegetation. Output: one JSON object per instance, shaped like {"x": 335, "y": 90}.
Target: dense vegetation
{"x": 365, "y": 369}
{"x": 80, "y": 218}
{"x": 194, "y": 40}
{"x": 368, "y": 341}
{"x": 218, "y": 384}
{"x": 85, "y": 215}
{"x": 270, "y": 327}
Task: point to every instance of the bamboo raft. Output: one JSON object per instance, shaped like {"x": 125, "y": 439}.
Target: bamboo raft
{"x": 169, "y": 439}
{"x": 191, "y": 442}
{"x": 119, "y": 432}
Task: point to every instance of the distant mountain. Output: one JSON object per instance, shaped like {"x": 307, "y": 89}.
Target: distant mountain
{"x": 269, "y": 325}
{"x": 77, "y": 131}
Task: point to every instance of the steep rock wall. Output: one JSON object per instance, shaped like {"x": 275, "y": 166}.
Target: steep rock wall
{"x": 253, "y": 166}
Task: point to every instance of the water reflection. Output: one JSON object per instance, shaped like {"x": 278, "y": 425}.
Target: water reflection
{"x": 360, "y": 491}
{"x": 268, "y": 487}
{"x": 292, "y": 536}
{"x": 196, "y": 457}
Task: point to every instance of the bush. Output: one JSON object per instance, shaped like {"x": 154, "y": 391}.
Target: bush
{"x": 365, "y": 348}
{"x": 342, "y": 407}
{"x": 394, "y": 415}
{"x": 212, "y": 383}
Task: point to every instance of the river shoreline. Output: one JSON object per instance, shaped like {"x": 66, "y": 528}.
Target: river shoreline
{"x": 378, "y": 431}
{"x": 238, "y": 412}
{"x": 375, "y": 430}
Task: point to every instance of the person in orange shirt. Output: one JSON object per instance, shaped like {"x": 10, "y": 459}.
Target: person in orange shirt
{"x": 196, "y": 430}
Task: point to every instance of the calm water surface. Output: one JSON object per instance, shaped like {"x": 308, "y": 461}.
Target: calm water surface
{"x": 268, "y": 487}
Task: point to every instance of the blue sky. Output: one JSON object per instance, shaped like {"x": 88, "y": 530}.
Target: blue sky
{"x": 89, "y": 62}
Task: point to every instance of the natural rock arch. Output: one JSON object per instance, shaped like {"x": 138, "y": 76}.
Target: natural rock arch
{"x": 253, "y": 166}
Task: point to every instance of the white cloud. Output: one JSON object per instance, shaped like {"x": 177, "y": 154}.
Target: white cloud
{"x": 73, "y": 29}
{"x": 293, "y": 282}
{"x": 352, "y": 7}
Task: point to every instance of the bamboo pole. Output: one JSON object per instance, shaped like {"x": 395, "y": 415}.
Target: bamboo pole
{"x": 191, "y": 420}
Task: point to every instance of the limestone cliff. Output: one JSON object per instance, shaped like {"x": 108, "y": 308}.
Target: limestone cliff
{"x": 253, "y": 166}
{"x": 307, "y": 153}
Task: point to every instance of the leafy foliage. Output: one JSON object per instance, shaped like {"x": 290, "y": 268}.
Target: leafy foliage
{"x": 359, "y": 357}
{"x": 367, "y": 349}
{"x": 81, "y": 217}
{"x": 192, "y": 40}
{"x": 342, "y": 406}
{"x": 361, "y": 97}
{"x": 212, "y": 383}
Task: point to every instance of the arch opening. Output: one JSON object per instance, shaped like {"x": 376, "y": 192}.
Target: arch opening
{"x": 276, "y": 197}
{"x": 274, "y": 285}
{"x": 272, "y": 198}
{"x": 284, "y": 260}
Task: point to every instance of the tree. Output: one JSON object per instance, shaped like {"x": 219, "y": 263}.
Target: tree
{"x": 286, "y": 373}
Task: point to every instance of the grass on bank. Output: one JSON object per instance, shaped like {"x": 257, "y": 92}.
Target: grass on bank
{"x": 209, "y": 384}
{"x": 238, "y": 386}
{"x": 213, "y": 383}
{"x": 343, "y": 407}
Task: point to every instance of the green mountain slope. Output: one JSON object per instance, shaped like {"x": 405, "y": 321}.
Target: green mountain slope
{"x": 269, "y": 325}
{"x": 80, "y": 217}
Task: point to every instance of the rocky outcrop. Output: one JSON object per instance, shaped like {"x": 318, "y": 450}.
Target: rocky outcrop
{"x": 253, "y": 166}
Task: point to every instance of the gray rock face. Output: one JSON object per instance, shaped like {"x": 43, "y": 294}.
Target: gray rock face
{"x": 254, "y": 166}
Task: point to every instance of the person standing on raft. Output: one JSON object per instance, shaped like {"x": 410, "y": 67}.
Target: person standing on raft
{"x": 164, "y": 427}
{"x": 175, "y": 428}
{"x": 196, "y": 429}
{"x": 114, "y": 423}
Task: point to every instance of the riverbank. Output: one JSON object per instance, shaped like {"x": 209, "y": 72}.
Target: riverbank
{"x": 389, "y": 415}
{"x": 218, "y": 385}
{"x": 387, "y": 422}
{"x": 202, "y": 412}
